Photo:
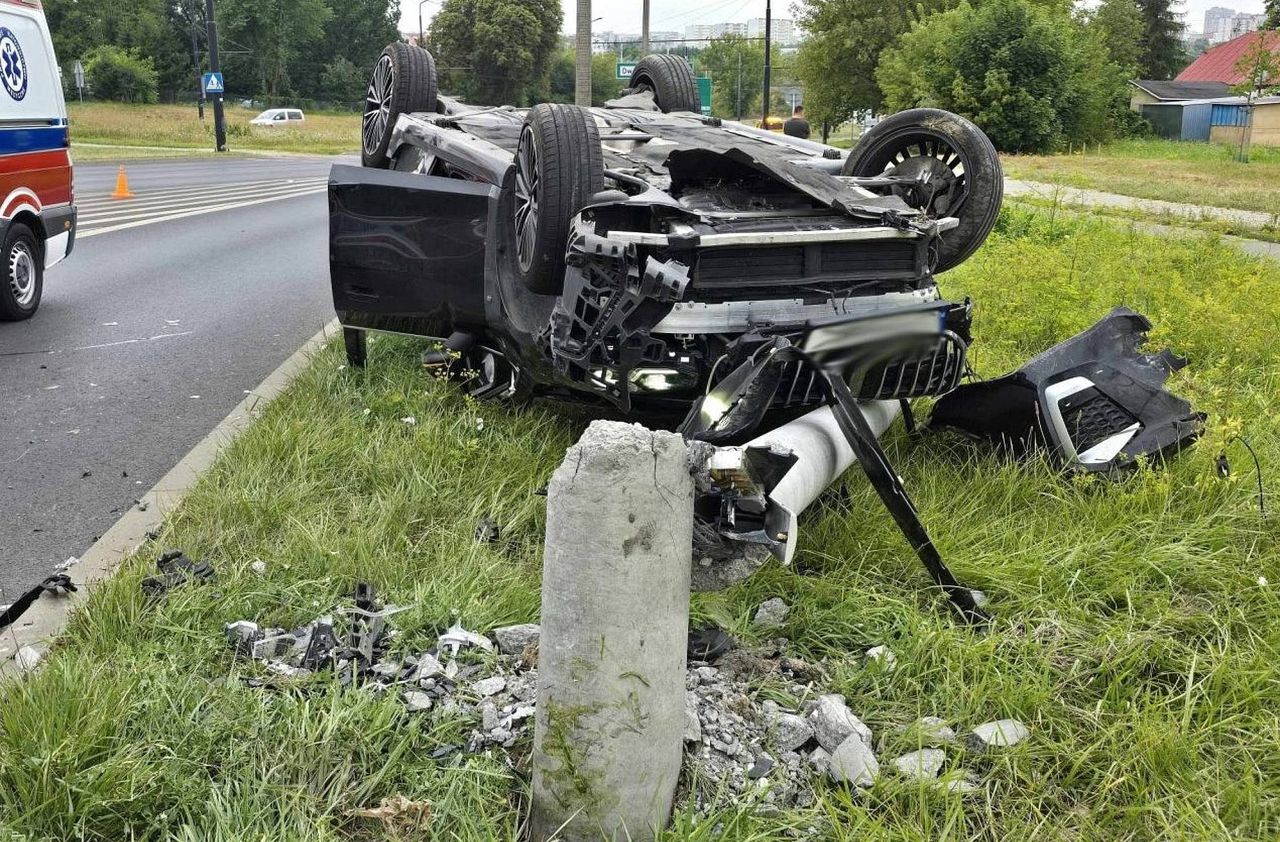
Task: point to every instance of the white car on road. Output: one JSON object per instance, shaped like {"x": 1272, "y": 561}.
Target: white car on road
{"x": 279, "y": 117}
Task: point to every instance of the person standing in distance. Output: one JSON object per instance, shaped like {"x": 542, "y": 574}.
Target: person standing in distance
{"x": 797, "y": 125}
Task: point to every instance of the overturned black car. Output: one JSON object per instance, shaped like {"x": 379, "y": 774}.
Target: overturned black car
{"x": 615, "y": 253}
{"x": 668, "y": 264}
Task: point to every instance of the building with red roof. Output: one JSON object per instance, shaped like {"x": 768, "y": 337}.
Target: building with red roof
{"x": 1218, "y": 64}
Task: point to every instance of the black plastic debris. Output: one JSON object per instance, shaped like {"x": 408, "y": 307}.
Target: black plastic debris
{"x": 487, "y": 531}
{"x": 708, "y": 643}
{"x": 59, "y": 584}
{"x": 176, "y": 570}
{"x": 1095, "y": 401}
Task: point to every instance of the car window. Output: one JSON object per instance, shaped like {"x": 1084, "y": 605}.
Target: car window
{"x": 280, "y": 116}
{"x": 295, "y": 115}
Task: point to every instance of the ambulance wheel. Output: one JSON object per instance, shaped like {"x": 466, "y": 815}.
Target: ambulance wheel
{"x": 23, "y": 274}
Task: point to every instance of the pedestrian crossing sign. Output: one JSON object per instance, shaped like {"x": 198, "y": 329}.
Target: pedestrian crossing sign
{"x": 213, "y": 83}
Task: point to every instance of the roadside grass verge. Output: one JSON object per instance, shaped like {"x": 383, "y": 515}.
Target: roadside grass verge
{"x": 179, "y": 127}
{"x": 1134, "y": 632}
{"x": 1211, "y": 225}
{"x": 1190, "y": 172}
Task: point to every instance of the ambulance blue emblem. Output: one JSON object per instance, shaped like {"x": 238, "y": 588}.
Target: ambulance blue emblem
{"x": 13, "y": 65}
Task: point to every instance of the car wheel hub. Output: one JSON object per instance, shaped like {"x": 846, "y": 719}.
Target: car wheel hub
{"x": 22, "y": 274}
{"x": 377, "y": 105}
{"x": 937, "y": 169}
{"x": 527, "y": 194}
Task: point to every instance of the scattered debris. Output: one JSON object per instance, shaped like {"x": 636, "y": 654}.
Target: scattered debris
{"x": 489, "y": 686}
{"x": 854, "y": 762}
{"x": 398, "y": 814}
{"x": 1003, "y": 733}
{"x": 27, "y": 658}
{"x": 59, "y": 584}
{"x": 1095, "y": 401}
{"x": 789, "y": 731}
{"x": 410, "y": 420}
{"x": 921, "y": 765}
{"x": 487, "y": 531}
{"x": 771, "y": 614}
{"x": 258, "y": 566}
{"x": 513, "y": 640}
{"x": 883, "y": 656}
{"x": 176, "y": 570}
{"x": 709, "y": 643}
{"x": 833, "y": 722}
{"x": 458, "y": 638}
{"x": 929, "y": 731}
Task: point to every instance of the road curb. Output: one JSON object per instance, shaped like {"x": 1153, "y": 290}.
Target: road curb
{"x": 48, "y": 617}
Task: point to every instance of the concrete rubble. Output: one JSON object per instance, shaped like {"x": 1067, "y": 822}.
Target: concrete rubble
{"x": 771, "y": 614}
{"x": 992, "y": 736}
{"x": 736, "y": 745}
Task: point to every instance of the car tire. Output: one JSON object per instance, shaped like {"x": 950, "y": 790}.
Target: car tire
{"x": 403, "y": 82}
{"x": 22, "y": 265}
{"x": 671, "y": 80}
{"x": 945, "y": 143}
{"x": 559, "y": 166}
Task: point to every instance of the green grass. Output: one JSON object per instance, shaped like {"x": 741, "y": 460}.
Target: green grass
{"x": 1212, "y": 225}
{"x": 1189, "y": 172}
{"x": 1132, "y": 633}
{"x": 178, "y": 127}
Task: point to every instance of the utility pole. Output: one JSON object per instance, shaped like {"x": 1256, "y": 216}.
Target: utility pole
{"x": 219, "y": 119}
{"x": 644, "y": 31}
{"x": 582, "y": 83}
{"x": 195, "y": 60}
{"x": 768, "y": 48}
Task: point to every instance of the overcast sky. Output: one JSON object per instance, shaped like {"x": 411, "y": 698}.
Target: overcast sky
{"x": 624, "y": 15}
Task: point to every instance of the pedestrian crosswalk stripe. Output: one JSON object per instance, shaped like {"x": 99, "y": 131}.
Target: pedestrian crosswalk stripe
{"x": 116, "y": 208}
{"x": 108, "y": 225}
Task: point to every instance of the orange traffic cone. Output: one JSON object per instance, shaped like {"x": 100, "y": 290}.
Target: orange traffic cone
{"x": 122, "y": 186}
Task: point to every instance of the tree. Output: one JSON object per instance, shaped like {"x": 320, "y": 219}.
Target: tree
{"x": 1027, "y": 75}
{"x": 496, "y": 51}
{"x": 1118, "y": 25}
{"x": 342, "y": 81}
{"x": 357, "y": 31}
{"x": 846, "y": 37}
{"x": 562, "y": 77}
{"x": 1261, "y": 70}
{"x": 114, "y": 73}
{"x": 736, "y": 67}
{"x": 1272, "y": 8}
{"x": 1162, "y": 54}
{"x": 273, "y": 33}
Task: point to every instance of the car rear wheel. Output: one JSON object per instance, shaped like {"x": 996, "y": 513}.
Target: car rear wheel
{"x": 670, "y": 80}
{"x": 958, "y": 170}
{"x": 559, "y": 166}
{"x": 403, "y": 81}
{"x": 23, "y": 271}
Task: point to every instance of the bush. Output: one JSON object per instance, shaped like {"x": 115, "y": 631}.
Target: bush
{"x": 1032, "y": 77}
{"x": 121, "y": 75}
{"x": 343, "y": 81}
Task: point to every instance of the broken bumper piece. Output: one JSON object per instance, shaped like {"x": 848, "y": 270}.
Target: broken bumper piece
{"x": 1095, "y": 401}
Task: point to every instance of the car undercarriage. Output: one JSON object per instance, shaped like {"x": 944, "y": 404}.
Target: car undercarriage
{"x": 669, "y": 265}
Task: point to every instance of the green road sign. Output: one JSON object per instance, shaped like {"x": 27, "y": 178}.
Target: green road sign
{"x": 704, "y": 93}
{"x": 625, "y": 68}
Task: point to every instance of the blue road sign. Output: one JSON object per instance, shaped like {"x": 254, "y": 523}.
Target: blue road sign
{"x": 213, "y": 83}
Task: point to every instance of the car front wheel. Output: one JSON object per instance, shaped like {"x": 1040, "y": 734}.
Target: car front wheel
{"x": 23, "y": 274}
{"x": 952, "y": 168}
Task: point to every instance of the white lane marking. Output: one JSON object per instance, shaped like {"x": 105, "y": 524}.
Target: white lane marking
{"x": 129, "y": 341}
{"x": 197, "y": 188}
{"x": 133, "y": 210}
{"x": 101, "y": 204}
{"x": 93, "y": 232}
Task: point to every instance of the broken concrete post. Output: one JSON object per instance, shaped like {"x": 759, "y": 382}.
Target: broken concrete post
{"x": 615, "y": 614}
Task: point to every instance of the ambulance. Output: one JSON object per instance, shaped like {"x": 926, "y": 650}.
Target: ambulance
{"x": 37, "y": 204}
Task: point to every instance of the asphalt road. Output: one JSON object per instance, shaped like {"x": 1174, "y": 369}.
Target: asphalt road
{"x": 171, "y": 306}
